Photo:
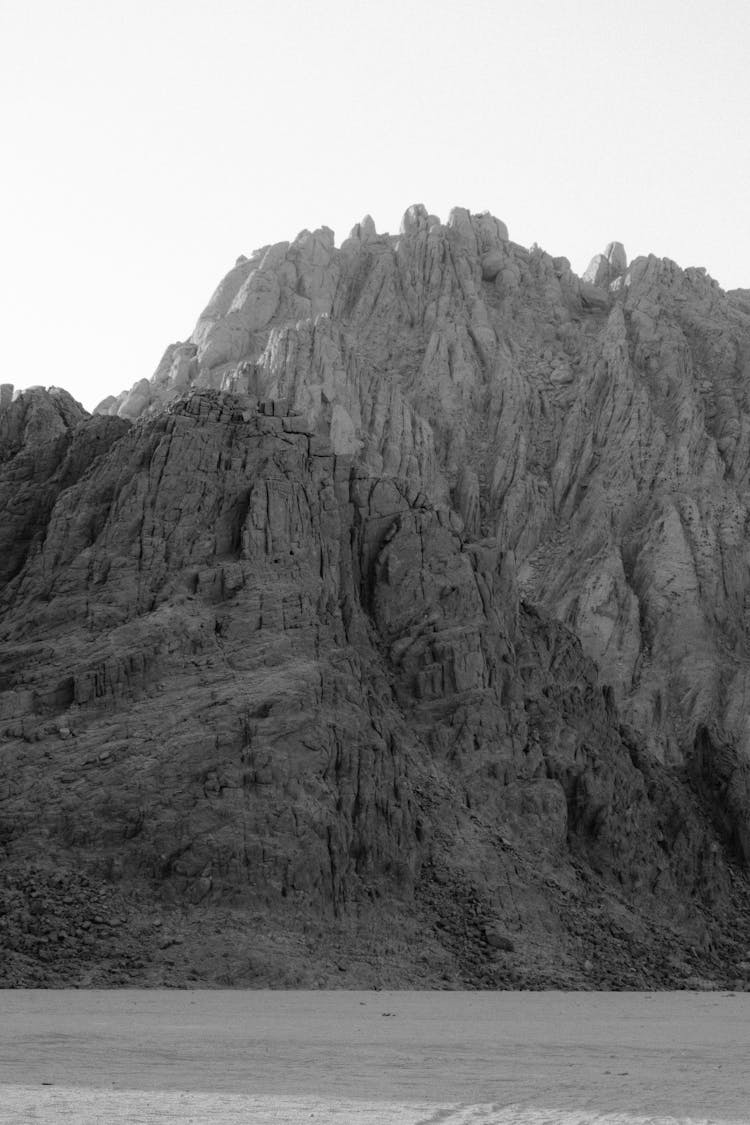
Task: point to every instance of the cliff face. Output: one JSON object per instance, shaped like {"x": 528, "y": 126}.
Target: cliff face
{"x": 395, "y": 627}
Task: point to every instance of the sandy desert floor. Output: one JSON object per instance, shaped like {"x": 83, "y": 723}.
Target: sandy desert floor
{"x": 374, "y": 1058}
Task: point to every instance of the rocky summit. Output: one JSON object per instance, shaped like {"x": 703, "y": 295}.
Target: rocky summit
{"x": 395, "y": 633}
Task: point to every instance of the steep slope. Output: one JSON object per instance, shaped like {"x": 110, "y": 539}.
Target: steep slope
{"x": 267, "y": 681}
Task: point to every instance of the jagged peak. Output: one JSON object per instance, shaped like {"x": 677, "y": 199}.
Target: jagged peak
{"x": 605, "y": 268}
{"x": 35, "y": 415}
{"x": 309, "y": 277}
{"x": 415, "y": 218}
{"x": 477, "y": 230}
{"x": 321, "y": 235}
{"x": 37, "y": 392}
{"x": 616, "y": 256}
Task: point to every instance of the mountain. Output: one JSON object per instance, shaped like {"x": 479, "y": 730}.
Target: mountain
{"x": 393, "y": 634}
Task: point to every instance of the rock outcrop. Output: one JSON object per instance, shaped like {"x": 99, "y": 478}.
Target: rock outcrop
{"x": 402, "y": 612}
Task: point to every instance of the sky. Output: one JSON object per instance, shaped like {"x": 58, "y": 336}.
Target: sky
{"x": 148, "y": 144}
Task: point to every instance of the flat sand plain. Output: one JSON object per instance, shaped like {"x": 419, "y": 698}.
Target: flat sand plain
{"x": 374, "y": 1058}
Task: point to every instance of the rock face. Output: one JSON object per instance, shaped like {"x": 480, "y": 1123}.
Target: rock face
{"x": 396, "y": 626}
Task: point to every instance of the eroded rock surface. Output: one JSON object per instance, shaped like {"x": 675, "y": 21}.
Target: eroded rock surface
{"x": 403, "y": 609}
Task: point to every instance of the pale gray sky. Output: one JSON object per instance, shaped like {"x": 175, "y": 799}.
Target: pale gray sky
{"x": 148, "y": 143}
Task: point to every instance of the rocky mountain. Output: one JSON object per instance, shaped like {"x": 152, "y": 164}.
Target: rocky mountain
{"x": 396, "y": 632}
